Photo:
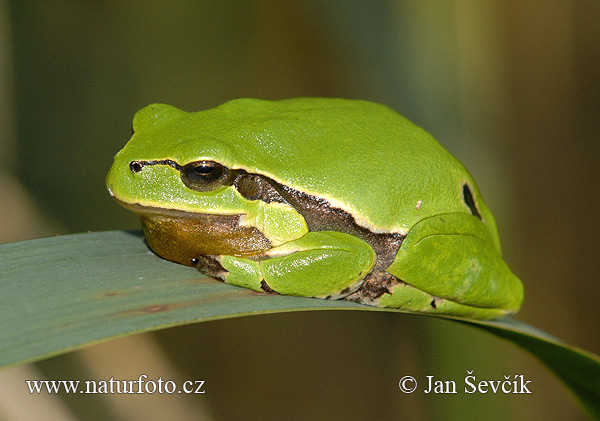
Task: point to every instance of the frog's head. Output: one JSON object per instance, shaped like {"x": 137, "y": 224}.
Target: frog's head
{"x": 166, "y": 165}
{"x": 179, "y": 180}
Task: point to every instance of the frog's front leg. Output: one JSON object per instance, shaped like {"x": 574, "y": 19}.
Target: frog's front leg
{"x": 323, "y": 264}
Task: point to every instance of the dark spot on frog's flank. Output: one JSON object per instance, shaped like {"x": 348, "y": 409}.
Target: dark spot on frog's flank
{"x": 375, "y": 285}
{"x": 443, "y": 220}
{"x": 265, "y": 287}
{"x": 345, "y": 291}
{"x": 436, "y": 302}
{"x": 470, "y": 201}
{"x": 328, "y": 297}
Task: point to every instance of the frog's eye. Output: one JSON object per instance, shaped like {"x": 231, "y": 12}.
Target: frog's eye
{"x": 206, "y": 175}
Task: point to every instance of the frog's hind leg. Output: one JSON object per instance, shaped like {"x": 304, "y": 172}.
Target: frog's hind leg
{"x": 449, "y": 264}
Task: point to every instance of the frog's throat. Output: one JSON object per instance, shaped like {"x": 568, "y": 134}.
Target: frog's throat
{"x": 182, "y": 236}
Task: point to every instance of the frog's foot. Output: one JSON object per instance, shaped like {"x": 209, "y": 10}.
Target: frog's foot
{"x": 323, "y": 264}
{"x": 210, "y": 265}
{"x": 382, "y": 289}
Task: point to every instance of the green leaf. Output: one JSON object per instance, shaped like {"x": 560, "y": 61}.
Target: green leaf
{"x": 64, "y": 293}
{"x": 579, "y": 369}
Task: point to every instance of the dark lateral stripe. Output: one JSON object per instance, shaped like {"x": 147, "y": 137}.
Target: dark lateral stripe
{"x": 319, "y": 214}
{"x": 136, "y": 166}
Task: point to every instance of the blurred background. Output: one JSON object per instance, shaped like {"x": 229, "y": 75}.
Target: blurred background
{"x": 508, "y": 86}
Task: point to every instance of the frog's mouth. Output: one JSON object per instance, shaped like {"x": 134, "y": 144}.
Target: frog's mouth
{"x": 182, "y": 236}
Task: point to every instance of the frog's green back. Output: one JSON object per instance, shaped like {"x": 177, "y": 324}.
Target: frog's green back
{"x": 363, "y": 157}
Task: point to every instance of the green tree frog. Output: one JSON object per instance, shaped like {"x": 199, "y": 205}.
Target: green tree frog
{"x": 315, "y": 197}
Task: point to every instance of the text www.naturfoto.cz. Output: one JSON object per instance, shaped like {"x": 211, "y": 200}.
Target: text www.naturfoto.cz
{"x": 111, "y": 386}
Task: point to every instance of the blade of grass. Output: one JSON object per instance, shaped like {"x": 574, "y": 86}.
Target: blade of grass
{"x": 64, "y": 293}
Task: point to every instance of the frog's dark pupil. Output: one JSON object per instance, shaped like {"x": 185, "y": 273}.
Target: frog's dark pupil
{"x": 208, "y": 171}
{"x": 205, "y": 170}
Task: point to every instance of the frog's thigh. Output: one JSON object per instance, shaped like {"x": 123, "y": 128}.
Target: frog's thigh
{"x": 319, "y": 264}
{"x": 452, "y": 258}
